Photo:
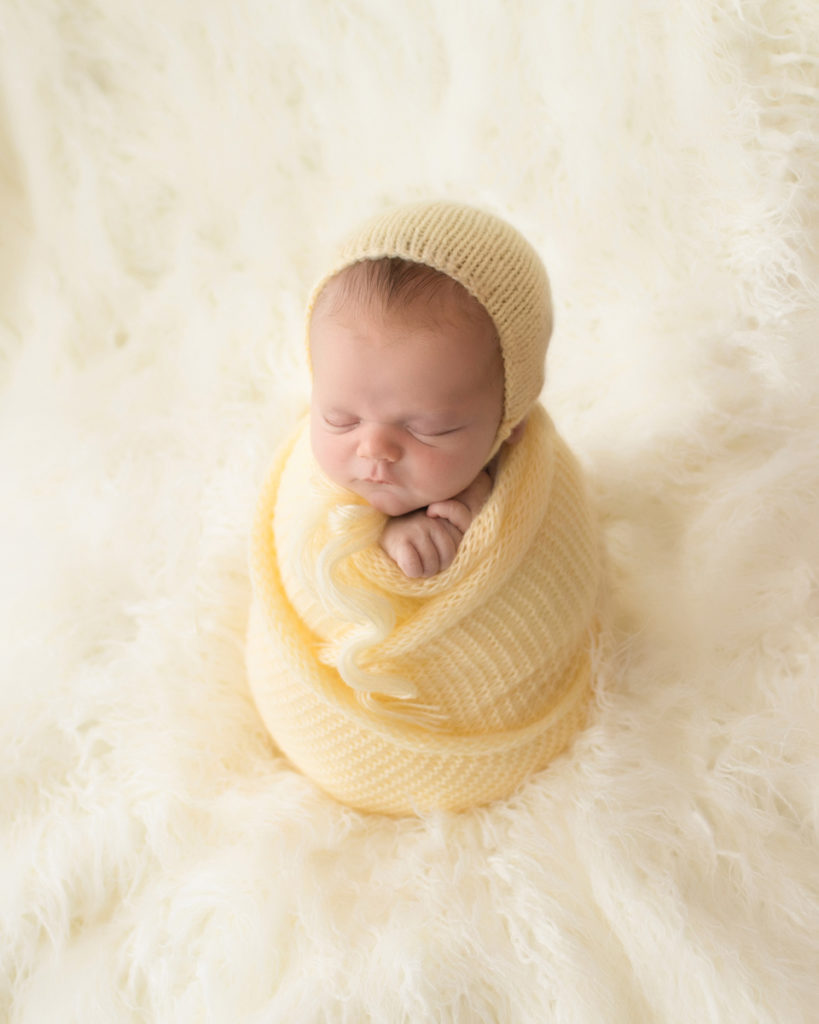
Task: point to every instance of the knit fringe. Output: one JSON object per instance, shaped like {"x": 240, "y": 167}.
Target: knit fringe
{"x": 354, "y": 527}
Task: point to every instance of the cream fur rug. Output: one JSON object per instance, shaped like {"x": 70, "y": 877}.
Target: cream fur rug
{"x": 171, "y": 174}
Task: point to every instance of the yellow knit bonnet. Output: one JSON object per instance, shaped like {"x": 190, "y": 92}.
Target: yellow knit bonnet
{"x": 492, "y": 261}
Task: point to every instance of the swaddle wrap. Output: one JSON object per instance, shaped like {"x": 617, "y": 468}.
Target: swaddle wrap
{"x": 494, "y": 652}
{"x": 402, "y": 695}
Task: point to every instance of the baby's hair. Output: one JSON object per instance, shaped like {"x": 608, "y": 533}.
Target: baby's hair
{"x": 394, "y": 284}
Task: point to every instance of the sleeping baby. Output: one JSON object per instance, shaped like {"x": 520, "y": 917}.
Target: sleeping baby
{"x": 425, "y": 564}
{"x": 407, "y": 401}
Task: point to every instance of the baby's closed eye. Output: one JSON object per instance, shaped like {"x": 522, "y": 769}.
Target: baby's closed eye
{"x": 340, "y": 422}
{"x": 425, "y": 432}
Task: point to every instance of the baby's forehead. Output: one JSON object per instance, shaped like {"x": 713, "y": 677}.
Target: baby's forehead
{"x": 402, "y": 368}
{"x": 396, "y": 288}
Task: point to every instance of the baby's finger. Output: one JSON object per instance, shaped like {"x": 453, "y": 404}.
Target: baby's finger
{"x": 453, "y": 511}
{"x": 433, "y": 552}
{"x": 409, "y": 560}
{"x": 422, "y": 556}
{"x": 446, "y": 545}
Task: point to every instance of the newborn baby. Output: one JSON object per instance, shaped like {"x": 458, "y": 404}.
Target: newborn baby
{"x": 425, "y": 564}
{"x": 407, "y": 401}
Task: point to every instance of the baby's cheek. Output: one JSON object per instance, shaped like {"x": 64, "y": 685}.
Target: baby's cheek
{"x": 436, "y": 469}
{"x": 328, "y": 455}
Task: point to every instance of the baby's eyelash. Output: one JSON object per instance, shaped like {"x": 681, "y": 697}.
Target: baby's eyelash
{"x": 338, "y": 424}
{"x": 432, "y": 433}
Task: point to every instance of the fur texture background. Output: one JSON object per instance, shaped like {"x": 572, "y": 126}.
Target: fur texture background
{"x": 171, "y": 175}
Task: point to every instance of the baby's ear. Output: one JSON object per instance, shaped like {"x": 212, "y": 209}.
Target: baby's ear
{"x": 517, "y": 433}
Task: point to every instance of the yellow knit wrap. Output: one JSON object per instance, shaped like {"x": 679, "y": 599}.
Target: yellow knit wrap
{"x": 485, "y": 666}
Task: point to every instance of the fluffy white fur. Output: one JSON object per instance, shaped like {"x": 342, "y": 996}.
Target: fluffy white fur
{"x": 171, "y": 175}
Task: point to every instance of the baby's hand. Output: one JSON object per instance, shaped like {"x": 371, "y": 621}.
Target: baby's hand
{"x": 419, "y": 545}
{"x": 425, "y": 542}
{"x": 462, "y": 509}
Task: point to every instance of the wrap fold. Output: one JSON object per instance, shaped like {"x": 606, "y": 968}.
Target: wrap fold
{"x": 401, "y": 695}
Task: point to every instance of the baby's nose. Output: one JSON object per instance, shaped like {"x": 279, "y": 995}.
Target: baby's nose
{"x": 378, "y": 445}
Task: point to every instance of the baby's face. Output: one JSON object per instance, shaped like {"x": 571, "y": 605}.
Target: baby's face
{"x": 405, "y": 404}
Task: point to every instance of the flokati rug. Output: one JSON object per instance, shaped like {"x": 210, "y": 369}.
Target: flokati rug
{"x": 171, "y": 177}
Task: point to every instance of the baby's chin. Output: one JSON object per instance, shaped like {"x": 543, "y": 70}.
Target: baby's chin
{"x": 390, "y": 504}
{"x": 391, "y": 499}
